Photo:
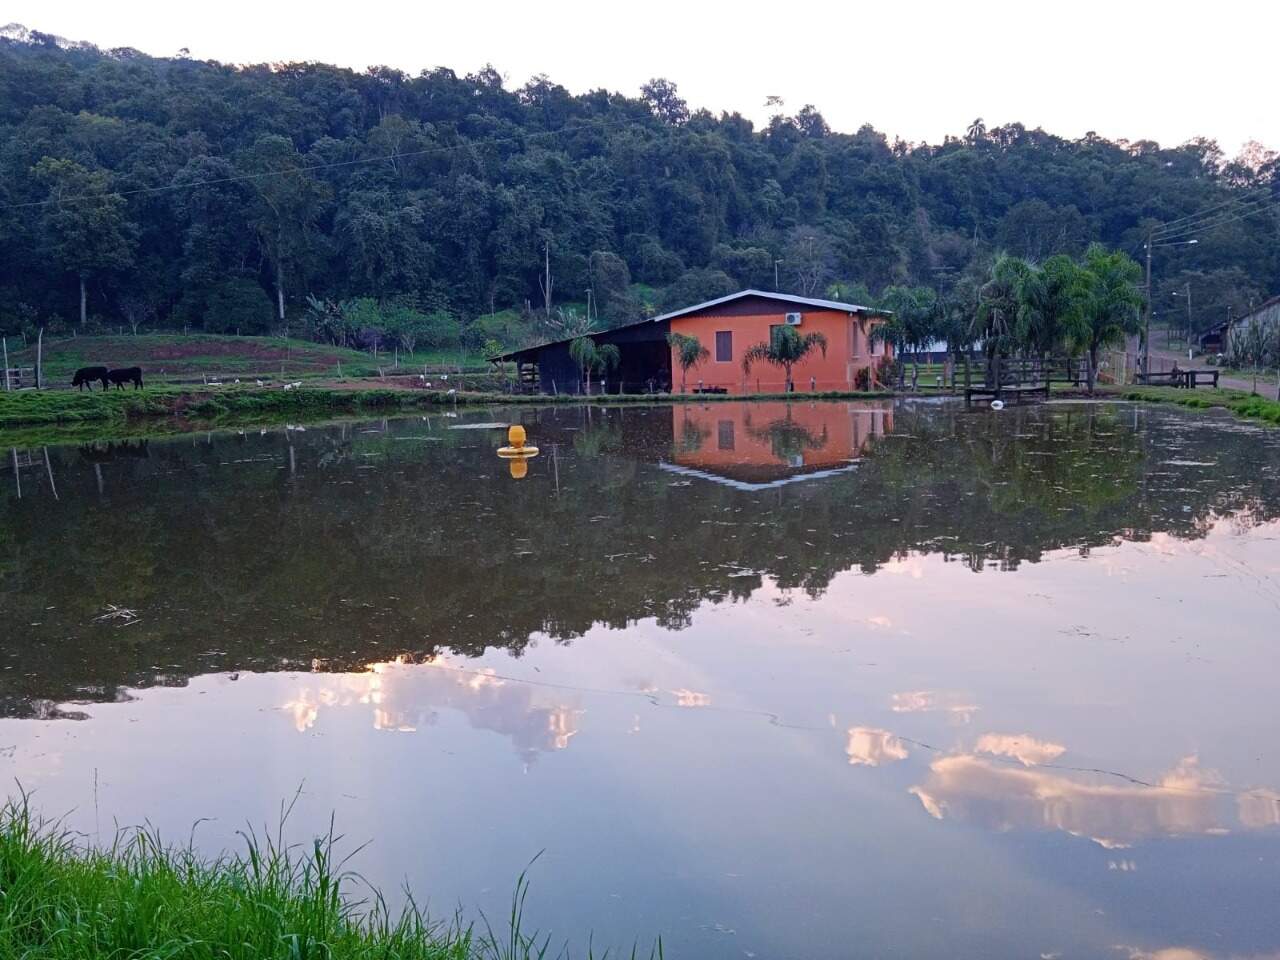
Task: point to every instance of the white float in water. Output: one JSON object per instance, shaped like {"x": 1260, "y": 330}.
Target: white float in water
{"x": 997, "y": 404}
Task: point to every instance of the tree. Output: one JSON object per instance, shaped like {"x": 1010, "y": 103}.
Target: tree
{"x": 288, "y": 206}
{"x": 784, "y": 349}
{"x": 664, "y": 101}
{"x": 591, "y": 356}
{"x": 809, "y": 256}
{"x": 976, "y": 131}
{"x": 84, "y": 224}
{"x": 1110, "y": 303}
{"x": 998, "y": 304}
{"x": 689, "y": 353}
{"x": 912, "y": 324}
{"x": 1048, "y": 298}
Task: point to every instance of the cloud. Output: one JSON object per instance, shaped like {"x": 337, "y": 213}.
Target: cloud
{"x": 976, "y": 790}
{"x": 1026, "y": 750}
{"x": 404, "y": 697}
{"x": 933, "y": 701}
{"x": 870, "y": 747}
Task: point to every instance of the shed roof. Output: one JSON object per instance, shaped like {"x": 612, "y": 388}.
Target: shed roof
{"x": 787, "y": 298}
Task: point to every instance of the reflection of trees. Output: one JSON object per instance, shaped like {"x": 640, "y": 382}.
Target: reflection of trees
{"x": 787, "y": 439}
{"x": 409, "y": 541}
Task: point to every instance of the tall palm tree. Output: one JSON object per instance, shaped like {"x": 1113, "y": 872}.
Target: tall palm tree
{"x": 914, "y": 322}
{"x": 689, "y": 353}
{"x": 589, "y": 356}
{"x": 998, "y": 303}
{"x": 785, "y": 349}
{"x": 1048, "y": 297}
{"x": 1110, "y": 303}
{"x": 977, "y": 130}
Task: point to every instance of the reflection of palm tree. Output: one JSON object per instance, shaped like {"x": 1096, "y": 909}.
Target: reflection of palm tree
{"x": 692, "y": 435}
{"x": 788, "y": 439}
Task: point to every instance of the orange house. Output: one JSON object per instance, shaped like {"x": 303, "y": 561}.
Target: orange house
{"x": 729, "y": 326}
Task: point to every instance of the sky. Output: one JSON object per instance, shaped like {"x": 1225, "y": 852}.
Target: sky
{"x": 918, "y": 70}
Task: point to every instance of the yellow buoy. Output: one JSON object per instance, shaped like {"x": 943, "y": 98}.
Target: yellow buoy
{"x": 517, "y": 451}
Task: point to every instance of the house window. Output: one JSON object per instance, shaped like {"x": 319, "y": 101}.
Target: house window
{"x": 724, "y": 434}
{"x": 724, "y": 346}
{"x": 877, "y": 345}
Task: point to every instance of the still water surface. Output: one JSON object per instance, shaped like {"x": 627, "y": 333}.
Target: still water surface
{"x": 807, "y": 680}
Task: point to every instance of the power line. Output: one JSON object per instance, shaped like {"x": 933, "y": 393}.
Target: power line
{"x": 1169, "y": 224}
{"x": 308, "y": 168}
{"x": 1214, "y": 224}
{"x": 1213, "y": 214}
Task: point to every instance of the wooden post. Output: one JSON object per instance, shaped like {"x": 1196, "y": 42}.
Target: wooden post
{"x": 40, "y": 360}
{"x": 5, "y": 340}
{"x": 49, "y": 468}
{"x": 17, "y": 477}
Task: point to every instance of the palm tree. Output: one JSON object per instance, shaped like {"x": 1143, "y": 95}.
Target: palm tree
{"x": 589, "y": 355}
{"x": 1048, "y": 298}
{"x": 914, "y": 322}
{"x": 785, "y": 349}
{"x": 689, "y": 353}
{"x": 1110, "y": 302}
{"x": 998, "y": 303}
{"x": 977, "y": 130}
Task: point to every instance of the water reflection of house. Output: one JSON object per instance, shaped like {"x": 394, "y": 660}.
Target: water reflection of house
{"x": 766, "y": 443}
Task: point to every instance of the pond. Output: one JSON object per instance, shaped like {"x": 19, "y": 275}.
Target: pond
{"x": 766, "y": 680}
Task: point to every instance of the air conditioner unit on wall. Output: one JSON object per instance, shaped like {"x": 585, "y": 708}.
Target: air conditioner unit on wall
{"x": 794, "y": 319}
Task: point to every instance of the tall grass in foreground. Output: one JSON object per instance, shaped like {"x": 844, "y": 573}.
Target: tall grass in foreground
{"x": 61, "y": 898}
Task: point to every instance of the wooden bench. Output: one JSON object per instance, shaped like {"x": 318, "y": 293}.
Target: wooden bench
{"x": 1188, "y": 379}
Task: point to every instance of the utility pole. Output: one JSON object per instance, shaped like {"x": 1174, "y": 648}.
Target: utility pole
{"x": 1188, "y": 319}
{"x": 1146, "y": 336}
{"x": 775, "y": 275}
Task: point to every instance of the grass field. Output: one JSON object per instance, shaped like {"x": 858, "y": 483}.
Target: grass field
{"x": 64, "y": 900}
{"x": 173, "y": 357}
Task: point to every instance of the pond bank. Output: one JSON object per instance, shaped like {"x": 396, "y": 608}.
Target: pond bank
{"x": 138, "y": 896}
{"x": 1247, "y": 406}
{"x": 31, "y": 408}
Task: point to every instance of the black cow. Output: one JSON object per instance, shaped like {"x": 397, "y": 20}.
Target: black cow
{"x": 126, "y": 375}
{"x": 86, "y": 375}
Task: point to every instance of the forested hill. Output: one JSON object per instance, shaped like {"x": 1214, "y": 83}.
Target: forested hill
{"x": 215, "y": 187}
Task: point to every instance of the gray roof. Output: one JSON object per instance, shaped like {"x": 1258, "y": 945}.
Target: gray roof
{"x": 785, "y": 297}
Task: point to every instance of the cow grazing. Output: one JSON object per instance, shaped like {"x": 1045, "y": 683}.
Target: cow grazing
{"x": 86, "y": 375}
{"x": 126, "y": 375}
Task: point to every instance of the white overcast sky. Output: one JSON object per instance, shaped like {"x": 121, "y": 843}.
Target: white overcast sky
{"x": 1166, "y": 71}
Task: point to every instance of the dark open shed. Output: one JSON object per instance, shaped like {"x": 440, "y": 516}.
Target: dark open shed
{"x": 644, "y": 362}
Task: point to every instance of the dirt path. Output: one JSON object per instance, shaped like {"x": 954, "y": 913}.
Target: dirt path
{"x": 1164, "y": 359}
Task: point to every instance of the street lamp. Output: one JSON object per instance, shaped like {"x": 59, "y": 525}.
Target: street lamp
{"x": 1154, "y": 241}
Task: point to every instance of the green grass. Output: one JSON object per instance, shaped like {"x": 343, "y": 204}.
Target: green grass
{"x": 61, "y": 899}
{"x": 187, "y": 357}
{"x": 34, "y": 408}
{"x": 1245, "y": 405}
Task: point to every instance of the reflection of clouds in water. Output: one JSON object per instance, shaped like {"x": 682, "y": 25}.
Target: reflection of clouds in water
{"x": 691, "y": 698}
{"x": 1190, "y": 953}
{"x": 969, "y": 788}
{"x": 404, "y": 697}
{"x": 934, "y": 701}
{"x": 870, "y": 747}
{"x": 1026, "y": 750}
{"x": 1259, "y": 808}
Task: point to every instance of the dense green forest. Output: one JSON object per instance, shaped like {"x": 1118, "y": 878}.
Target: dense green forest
{"x": 265, "y": 198}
